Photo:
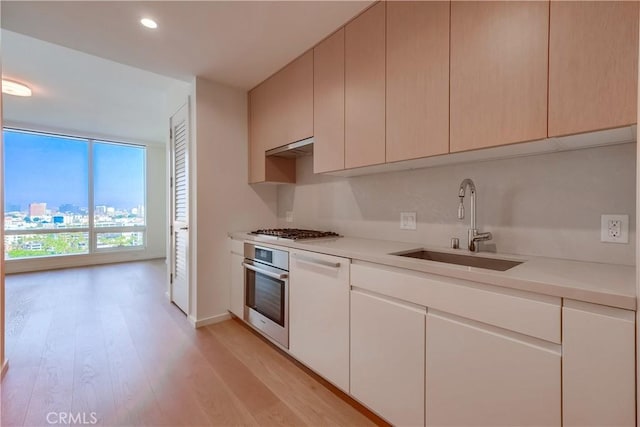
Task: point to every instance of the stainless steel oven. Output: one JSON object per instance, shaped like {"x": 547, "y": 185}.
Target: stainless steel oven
{"x": 266, "y": 281}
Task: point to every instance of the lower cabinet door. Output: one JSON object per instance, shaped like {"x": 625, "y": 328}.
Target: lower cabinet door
{"x": 319, "y": 314}
{"x": 236, "y": 291}
{"x": 479, "y": 375}
{"x": 387, "y": 358}
{"x": 598, "y": 366}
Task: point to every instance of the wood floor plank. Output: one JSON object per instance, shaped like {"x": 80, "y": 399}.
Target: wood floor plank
{"x": 15, "y": 393}
{"x": 215, "y": 395}
{"x": 92, "y": 388}
{"x": 105, "y": 339}
{"x": 134, "y": 399}
{"x": 163, "y": 359}
{"x": 53, "y": 390}
{"x": 279, "y": 414}
{"x": 314, "y": 403}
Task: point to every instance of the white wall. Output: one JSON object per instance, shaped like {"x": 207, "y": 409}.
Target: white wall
{"x": 221, "y": 199}
{"x": 157, "y": 225}
{"x": 546, "y": 205}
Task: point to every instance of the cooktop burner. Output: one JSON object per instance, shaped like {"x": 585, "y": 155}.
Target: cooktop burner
{"x": 295, "y": 233}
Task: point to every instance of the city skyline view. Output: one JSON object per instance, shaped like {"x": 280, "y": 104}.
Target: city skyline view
{"x": 49, "y": 180}
{"x": 41, "y": 168}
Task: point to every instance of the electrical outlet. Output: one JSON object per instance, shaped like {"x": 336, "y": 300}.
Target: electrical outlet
{"x": 614, "y": 228}
{"x": 407, "y": 220}
{"x": 289, "y": 217}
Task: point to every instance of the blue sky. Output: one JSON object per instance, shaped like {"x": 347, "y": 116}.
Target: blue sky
{"x": 52, "y": 169}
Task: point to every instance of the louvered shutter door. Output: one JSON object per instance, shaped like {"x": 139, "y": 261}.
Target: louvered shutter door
{"x": 180, "y": 209}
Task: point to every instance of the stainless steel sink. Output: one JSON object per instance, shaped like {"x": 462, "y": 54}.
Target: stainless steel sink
{"x": 496, "y": 264}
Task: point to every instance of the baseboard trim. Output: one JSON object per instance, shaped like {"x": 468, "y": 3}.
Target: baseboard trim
{"x": 209, "y": 320}
{"x": 5, "y": 368}
{"x": 28, "y": 265}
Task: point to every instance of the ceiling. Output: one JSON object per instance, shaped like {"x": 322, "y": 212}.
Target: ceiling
{"x": 84, "y": 95}
{"x": 96, "y": 72}
{"x": 238, "y": 43}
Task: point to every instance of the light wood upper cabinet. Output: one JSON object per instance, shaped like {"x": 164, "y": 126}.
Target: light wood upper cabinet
{"x": 328, "y": 104}
{"x": 598, "y": 363}
{"x": 498, "y": 73}
{"x": 365, "y": 88}
{"x": 417, "y": 96}
{"x": 256, "y": 150}
{"x": 282, "y": 106}
{"x": 593, "y": 65}
{"x": 280, "y": 112}
{"x": 269, "y": 169}
{"x": 294, "y": 83}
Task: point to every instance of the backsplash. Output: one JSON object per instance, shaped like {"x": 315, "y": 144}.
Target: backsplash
{"x": 545, "y": 205}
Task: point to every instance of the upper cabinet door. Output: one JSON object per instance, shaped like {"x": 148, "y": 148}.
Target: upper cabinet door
{"x": 417, "y": 79}
{"x": 365, "y": 88}
{"x": 256, "y": 150}
{"x": 499, "y": 58}
{"x": 328, "y": 104}
{"x": 593, "y": 65}
{"x": 280, "y": 112}
{"x": 281, "y": 107}
{"x": 294, "y": 86}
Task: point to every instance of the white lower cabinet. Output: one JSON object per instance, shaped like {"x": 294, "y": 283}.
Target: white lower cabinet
{"x": 319, "y": 314}
{"x": 458, "y": 354}
{"x": 598, "y": 365}
{"x": 387, "y": 357}
{"x": 479, "y": 375}
{"x": 236, "y": 291}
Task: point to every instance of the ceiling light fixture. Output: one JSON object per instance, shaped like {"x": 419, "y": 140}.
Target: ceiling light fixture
{"x": 149, "y": 23}
{"x": 14, "y": 88}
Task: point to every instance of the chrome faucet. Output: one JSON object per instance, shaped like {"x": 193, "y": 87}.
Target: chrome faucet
{"x": 474, "y": 235}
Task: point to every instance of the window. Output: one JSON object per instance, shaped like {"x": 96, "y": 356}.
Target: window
{"x": 69, "y": 196}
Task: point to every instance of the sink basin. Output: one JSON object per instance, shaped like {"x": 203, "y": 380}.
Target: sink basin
{"x": 467, "y": 260}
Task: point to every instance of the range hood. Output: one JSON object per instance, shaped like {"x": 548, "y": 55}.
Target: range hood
{"x": 301, "y": 148}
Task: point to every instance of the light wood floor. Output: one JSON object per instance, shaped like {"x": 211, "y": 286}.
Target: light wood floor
{"x": 104, "y": 340}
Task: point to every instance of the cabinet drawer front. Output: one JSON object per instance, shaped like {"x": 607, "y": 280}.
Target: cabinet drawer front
{"x": 524, "y": 312}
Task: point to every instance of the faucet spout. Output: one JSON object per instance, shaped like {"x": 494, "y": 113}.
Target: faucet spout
{"x": 467, "y": 182}
{"x": 474, "y": 235}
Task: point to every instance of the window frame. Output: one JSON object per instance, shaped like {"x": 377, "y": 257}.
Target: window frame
{"x": 90, "y": 229}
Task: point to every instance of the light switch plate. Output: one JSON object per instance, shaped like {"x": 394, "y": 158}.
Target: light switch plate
{"x": 614, "y": 228}
{"x": 408, "y": 220}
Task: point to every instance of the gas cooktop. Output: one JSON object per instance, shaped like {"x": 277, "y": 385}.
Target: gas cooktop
{"x": 294, "y": 233}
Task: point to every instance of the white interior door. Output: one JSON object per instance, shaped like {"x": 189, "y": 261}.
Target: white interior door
{"x": 180, "y": 208}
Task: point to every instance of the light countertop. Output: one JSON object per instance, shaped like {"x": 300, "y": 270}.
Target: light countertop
{"x": 608, "y": 284}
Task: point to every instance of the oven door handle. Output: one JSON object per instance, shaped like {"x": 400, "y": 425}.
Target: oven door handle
{"x": 277, "y": 276}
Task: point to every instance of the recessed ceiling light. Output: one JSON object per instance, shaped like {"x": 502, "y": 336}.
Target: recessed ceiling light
{"x": 14, "y": 88}
{"x": 149, "y": 23}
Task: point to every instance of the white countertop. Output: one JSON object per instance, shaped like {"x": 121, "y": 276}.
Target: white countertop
{"x": 608, "y": 284}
